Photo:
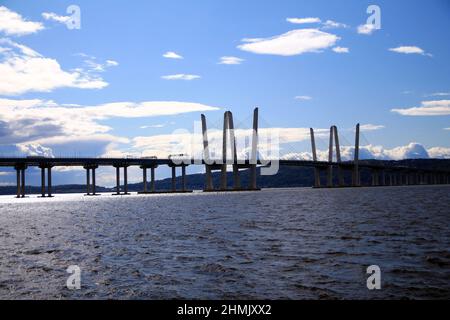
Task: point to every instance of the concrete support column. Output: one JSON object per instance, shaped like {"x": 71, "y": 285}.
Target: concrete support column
{"x": 174, "y": 181}
{"x": 49, "y": 181}
{"x": 88, "y": 181}
{"x": 390, "y": 179}
{"x": 22, "y": 184}
{"x": 18, "y": 171}
{"x": 183, "y": 178}
{"x": 42, "y": 182}
{"x": 117, "y": 180}
{"x": 144, "y": 178}
{"x": 152, "y": 178}
{"x": 125, "y": 180}
{"x": 383, "y": 178}
{"x": 93, "y": 182}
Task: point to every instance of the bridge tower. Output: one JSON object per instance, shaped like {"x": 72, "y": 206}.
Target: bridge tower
{"x": 334, "y": 138}
{"x": 356, "y": 181}
{"x": 254, "y": 154}
{"x": 314, "y": 154}
{"x": 228, "y": 133}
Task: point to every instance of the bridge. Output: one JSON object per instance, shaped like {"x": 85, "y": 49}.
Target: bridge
{"x": 381, "y": 174}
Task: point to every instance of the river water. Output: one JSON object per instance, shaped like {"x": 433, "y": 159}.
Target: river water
{"x": 277, "y": 244}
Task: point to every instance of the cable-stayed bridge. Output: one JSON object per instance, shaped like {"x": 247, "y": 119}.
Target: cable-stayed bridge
{"x": 330, "y": 173}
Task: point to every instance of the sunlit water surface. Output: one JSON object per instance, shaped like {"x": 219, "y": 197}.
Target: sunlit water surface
{"x": 287, "y": 243}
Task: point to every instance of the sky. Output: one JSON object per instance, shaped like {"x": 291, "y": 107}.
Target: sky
{"x": 130, "y": 74}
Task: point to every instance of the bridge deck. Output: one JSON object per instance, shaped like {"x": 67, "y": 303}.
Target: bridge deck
{"x": 73, "y": 162}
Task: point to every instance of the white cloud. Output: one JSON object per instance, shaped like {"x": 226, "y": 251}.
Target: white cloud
{"x": 161, "y": 125}
{"x": 303, "y": 98}
{"x": 427, "y": 108}
{"x": 371, "y": 127}
{"x": 230, "y": 60}
{"x": 47, "y": 123}
{"x": 447, "y": 128}
{"x": 303, "y": 20}
{"x": 366, "y": 29}
{"x": 35, "y": 149}
{"x": 93, "y": 65}
{"x": 341, "y": 50}
{"x": 412, "y": 150}
{"x": 13, "y": 24}
{"x": 112, "y": 63}
{"x": 292, "y": 43}
{"x": 24, "y": 70}
{"x": 172, "y": 55}
{"x": 54, "y": 17}
{"x": 409, "y": 50}
{"x": 191, "y": 143}
{"x": 181, "y": 76}
{"x": 438, "y": 94}
{"x": 439, "y": 152}
{"x": 330, "y": 24}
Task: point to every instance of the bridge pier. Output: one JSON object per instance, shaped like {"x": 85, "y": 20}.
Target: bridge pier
{"x": 145, "y": 180}
{"x": 49, "y": 180}
{"x": 173, "y": 167}
{"x": 20, "y": 174}
{"x": 90, "y": 181}
{"x": 125, "y": 179}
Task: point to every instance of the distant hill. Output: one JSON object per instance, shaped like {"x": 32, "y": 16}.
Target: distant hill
{"x": 286, "y": 177}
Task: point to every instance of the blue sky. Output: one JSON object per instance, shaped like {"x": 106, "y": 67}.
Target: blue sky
{"x": 291, "y": 71}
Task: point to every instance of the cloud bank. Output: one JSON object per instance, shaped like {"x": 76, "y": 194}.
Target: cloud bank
{"x": 13, "y": 24}
{"x": 24, "y": 70}
{"x": 291, "y": 43}
{"x": 427, "y": 108}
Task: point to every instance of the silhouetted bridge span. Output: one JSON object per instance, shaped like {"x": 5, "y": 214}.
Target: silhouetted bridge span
{"x": 382, "y": 174}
